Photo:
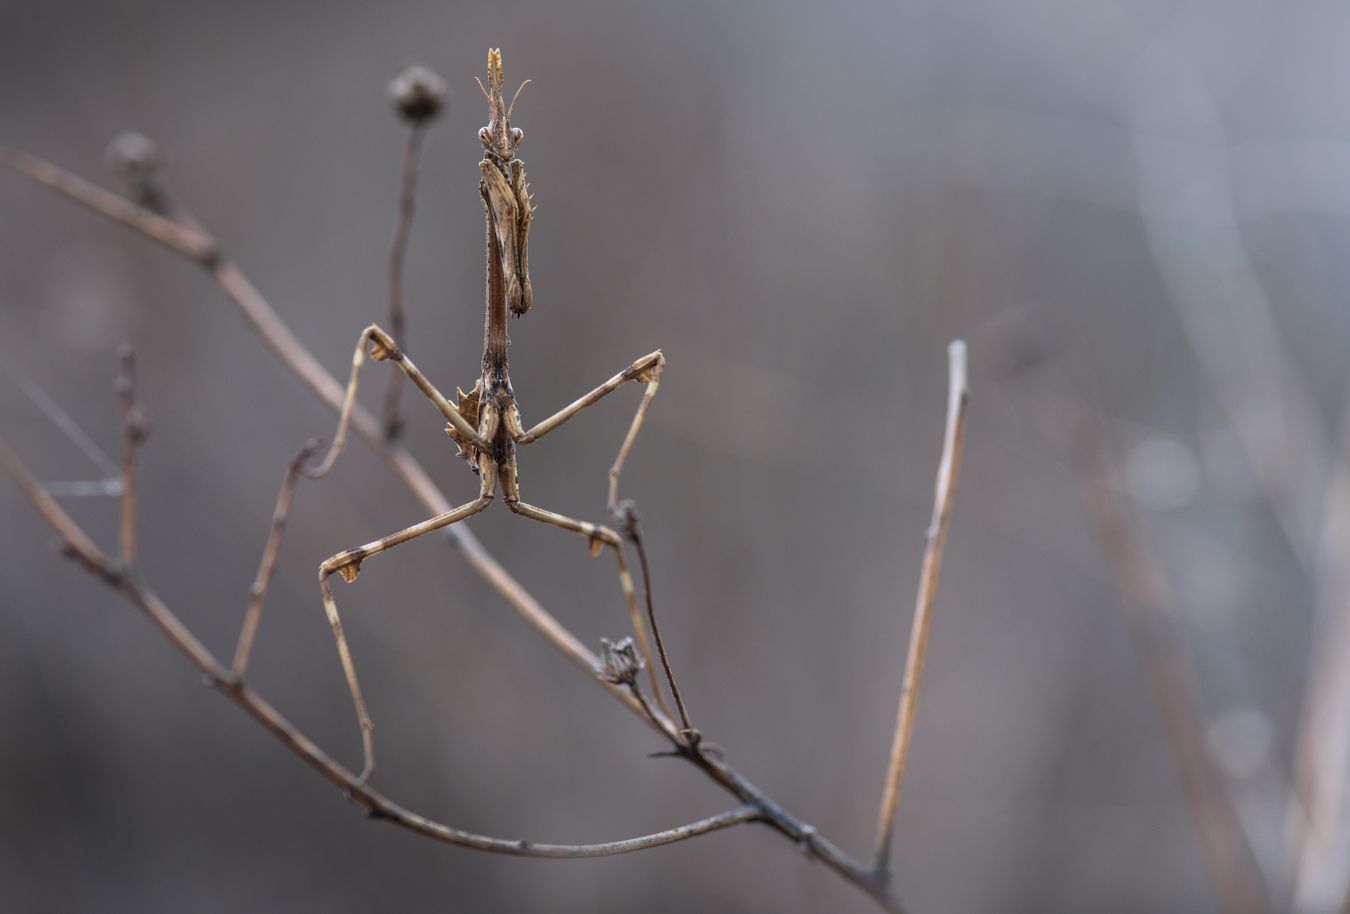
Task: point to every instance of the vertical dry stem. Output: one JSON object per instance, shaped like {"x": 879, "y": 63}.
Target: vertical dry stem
{"x": 944, "y": 496}
{"x": 133, "y": 433}
{"x": 1231, "y": 862}
{"x": 412, "y": 153}
{"x": 630, "y": 519}
{"x": 257, "y": 595}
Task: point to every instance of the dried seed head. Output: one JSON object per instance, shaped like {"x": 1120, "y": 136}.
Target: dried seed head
{"x": 133, "y": 158}
{"x": 626, "y": 518}
{"x": 418, "y": 94}
{"x": 619, "y": 663}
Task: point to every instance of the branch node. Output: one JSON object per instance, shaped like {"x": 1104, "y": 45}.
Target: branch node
{"x": 806, "y": 840}
{"x": 110, "y": 574}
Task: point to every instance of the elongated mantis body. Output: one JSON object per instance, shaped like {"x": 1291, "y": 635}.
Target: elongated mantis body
{"x": 485, "y": 422}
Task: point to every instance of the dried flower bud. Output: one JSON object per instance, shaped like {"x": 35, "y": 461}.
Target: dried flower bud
{"x": 133, "y": 158}
{"x": 418, "y": 94}
{"x": 619, "y": 663}
{"x": 626, "y": 518}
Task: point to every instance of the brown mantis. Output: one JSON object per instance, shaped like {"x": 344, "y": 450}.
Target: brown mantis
{"x": 485, "y": 423}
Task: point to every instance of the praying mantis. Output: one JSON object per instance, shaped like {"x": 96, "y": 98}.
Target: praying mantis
{"x": 486, "y": 426}
{"x": 485, "y": 423}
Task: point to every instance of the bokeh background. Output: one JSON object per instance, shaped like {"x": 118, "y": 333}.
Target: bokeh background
{"x": 1136, "y": 214}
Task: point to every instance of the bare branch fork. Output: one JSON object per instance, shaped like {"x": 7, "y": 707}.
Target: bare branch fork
{"x": 485, "y": 424}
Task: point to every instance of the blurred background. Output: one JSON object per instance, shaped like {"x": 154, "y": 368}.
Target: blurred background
{"x": 1136, "y": 214}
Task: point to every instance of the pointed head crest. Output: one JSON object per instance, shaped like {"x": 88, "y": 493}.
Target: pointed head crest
{"x": 499, "y": 138}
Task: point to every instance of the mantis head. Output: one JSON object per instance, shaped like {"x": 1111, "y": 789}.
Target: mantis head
{"x": 499, "y": 138}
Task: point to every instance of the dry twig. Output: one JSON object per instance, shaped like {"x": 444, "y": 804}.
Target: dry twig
{"x": 944, "y": 497}
{"x": 1072, "y": 409}
{"x": 133, "y": 434}
{"x": 418, "y": 96}
{"x": 1232, "y": 865}
{"x": 257, "y": 594}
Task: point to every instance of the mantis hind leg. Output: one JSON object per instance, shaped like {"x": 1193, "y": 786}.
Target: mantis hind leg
{"x": 348, "y": 564}
{"x": 598, "y": 537}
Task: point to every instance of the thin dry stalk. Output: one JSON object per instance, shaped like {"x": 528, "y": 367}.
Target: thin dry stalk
{"x": 627, "y": 512}
{"x": 1320, "y": 868}
{"x": 257, "y": 594}
{"x": 1231, "y": 863}
{"x": 133, "y": 433}
{"x": 407, "y": 198}
{"x": 944, "y": 497}
{"x": 188, "y": 239}
{"x": 1230, "y": 322}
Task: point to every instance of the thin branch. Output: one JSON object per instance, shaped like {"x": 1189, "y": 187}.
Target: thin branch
{"x": 111, "y": 483}
{"x": 1320, "y": 866}
{"x": 412, "y": 153}
{"x": 84, "y": 488}
{"x": 1231, "y": 861}
{"x": 192, "y": 244}
{"x": 258, "y": 592}
{"x": 640, "y": 629}
{"x": 187, "y": 239}
{"x": 80, "y": 546}
{"x": 133, "y": 434}
{"x": 805, "y": 836}
{"x": 626, "y": 513}
{"x": 944, "y": 496}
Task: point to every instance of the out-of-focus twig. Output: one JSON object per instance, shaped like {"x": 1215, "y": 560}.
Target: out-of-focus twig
{"x": 111, "y": 482}
{"x": 389, "y": 416}
{"x": 257, "y": 595}
{"x": 418, "y": 96}
{"x": 1197, "y": 243}
{"x": 1230, "y": 861}
{"x": 944, "y": 497}
{"x": 1321, "y": 823}
{"x": 133, "y": 434}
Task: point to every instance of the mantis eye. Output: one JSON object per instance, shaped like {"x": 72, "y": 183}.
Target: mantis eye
{"x": 486, "y": 136}
{"x": 517, "y": 135}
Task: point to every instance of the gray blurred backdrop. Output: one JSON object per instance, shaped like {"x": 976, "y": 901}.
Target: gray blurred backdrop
{"x": 1137, "y": 207}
